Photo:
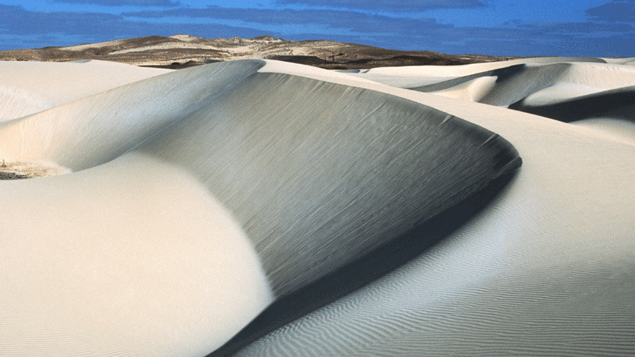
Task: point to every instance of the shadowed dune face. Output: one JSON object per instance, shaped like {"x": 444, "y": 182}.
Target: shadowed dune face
{"x": 544, "y": 269}
{"x": 290, "y": 178}
{"x": 96, "y": 129}
{"x": 563, "y": 89}
{"x": 302, "y": 163}
{"x": 617, "y": 103}
{"x": 506, "y": 87}
{"x": 318, "y": 173}
{"x": 201, "y": 196}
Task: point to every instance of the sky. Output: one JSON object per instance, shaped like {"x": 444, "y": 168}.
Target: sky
{"x": 597, "y": 28}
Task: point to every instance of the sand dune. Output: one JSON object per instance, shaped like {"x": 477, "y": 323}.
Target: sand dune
{"x": 94, "y": 263}
{"x": 565, "y": 89}
{"x": 182, "y": 51}
{"x": 30, "y": 87}
{"x": 194, "y": 199}
{"x": 545, "y": 269}
{"x": 94, "y": 130}
{"x": 312, "y": 184}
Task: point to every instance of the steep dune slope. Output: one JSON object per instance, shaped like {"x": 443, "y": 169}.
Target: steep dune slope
{"x": 97, "y": 129}
{"x": 558, "y": 88}
{"x": 315, "y": 168}
{"x": 197, "y": 196}
{"x": 30, "y": 87}
{"x": 546, "y": 269}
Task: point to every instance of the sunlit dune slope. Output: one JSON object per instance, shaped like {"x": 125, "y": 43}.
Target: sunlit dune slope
{"x": 30, "y": 87}
{"x": 544, "y": 269}
{"x": 189, "y": 200}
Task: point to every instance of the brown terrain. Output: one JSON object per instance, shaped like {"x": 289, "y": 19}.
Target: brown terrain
{"x": 181, "y": 51}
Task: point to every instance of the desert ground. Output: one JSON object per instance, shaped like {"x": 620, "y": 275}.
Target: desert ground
{"x": 183, "y": 51}
{"x": 247, "y": 205}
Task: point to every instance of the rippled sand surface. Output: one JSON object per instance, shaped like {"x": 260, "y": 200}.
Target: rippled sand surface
{"x": 384, "y": 212}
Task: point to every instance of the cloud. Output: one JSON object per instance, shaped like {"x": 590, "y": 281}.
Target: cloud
{"x": 387, "y": 5}
{"x": 162, "y": 3}
{"x": 615, "y": 11}
{"x": 335, "y": 19}
{"x": 521, "y": 39}
{"x": 22, "y": 28}
{"x": 584, "y": 29}
{"x": 545, "y": 39}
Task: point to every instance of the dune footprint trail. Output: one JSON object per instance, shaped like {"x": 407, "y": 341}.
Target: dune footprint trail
{"x": 199, "y": 197}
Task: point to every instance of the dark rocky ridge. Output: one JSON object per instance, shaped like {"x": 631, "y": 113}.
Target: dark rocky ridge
{"x": 182, "y": 51}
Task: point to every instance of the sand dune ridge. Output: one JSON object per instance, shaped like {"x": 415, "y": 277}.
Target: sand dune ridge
{"x": 199, "y": 197}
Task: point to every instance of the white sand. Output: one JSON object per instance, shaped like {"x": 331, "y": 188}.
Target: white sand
{"x": 549, "y": 263}
{"x": 616, "y": 129}
{"x": 304, "y": 176}
{"x": 132, "y": 258}
{"x": 545, "y": 269}
{"x": 31, "y": 87}
{"x": 415, "y": 76}
{"x": 534, "y": 82}
{"x": 96, "y": 129}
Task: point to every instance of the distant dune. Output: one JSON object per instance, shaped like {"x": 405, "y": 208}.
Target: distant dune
{"x": 182, "y": 51}
{"x": 265, "y": 208}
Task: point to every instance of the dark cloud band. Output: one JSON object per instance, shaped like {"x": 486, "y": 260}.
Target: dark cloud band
{"x": 336, "y": 19}
{"x": 403, "y": 31}
{"x": 162, "y": 3}
{"x": 615, "y": 11}
{"x": 395, "y": 6}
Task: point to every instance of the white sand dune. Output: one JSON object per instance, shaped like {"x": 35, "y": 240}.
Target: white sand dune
{"x": 314, "y": 185}
{"x": 546, "y": 269}
{"x": 198, "y": 197}
{"x": 94, "y": 130}
{"x": 130, "y": 258}
{"x": 417, "y": 76}
{"x": 30, "y": 87}
{"x": 565, "y": 89}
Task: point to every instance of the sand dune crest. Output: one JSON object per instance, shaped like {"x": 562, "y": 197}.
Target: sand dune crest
{"x": 274, "y": 176}
{"x": 543, "y": 270}
{"x": 313, "y": 183}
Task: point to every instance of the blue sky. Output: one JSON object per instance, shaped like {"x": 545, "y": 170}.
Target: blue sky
{"x": 494, "y": 27}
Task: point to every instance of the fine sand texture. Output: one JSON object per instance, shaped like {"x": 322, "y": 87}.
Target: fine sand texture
{"x": 566, "y": 89}
{"x": 545, "y": 269}
{"x": 187, "y": 195}
{"x": 367, "y": 213}
{"x": 31, "y": 87}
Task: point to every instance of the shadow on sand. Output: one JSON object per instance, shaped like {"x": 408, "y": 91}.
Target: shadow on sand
{"x": 365, "y": 270}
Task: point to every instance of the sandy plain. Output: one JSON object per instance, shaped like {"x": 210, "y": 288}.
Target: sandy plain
{"x": 369, "y": 212}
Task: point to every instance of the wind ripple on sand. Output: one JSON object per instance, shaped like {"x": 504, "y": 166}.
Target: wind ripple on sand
{"x": 317, "y": 174}
{"x": 96, "y": 129}
{"x": 558, "y": 88}
{"x": 309, "y": 173}
{"x": 544, "y": 269}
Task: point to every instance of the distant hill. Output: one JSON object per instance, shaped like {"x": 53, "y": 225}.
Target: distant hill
{"x": 180, "y": 51}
